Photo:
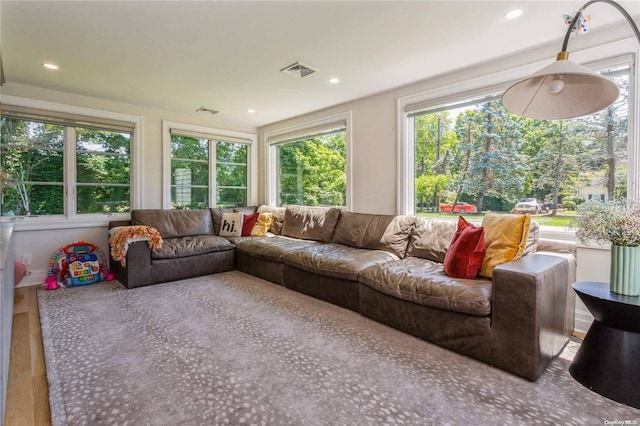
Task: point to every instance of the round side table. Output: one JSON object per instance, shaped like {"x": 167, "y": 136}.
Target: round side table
{"x": 608, "y": 361}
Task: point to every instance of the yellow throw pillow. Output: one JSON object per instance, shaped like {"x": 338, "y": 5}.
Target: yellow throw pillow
{"x": 262, "y": 224}
{"x": 505, "y": 237}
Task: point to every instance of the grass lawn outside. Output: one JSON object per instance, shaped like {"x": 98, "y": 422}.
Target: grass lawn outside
{"x": 562, "y": 219}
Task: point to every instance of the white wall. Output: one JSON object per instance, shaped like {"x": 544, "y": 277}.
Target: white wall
{"x": 594, "y": 264}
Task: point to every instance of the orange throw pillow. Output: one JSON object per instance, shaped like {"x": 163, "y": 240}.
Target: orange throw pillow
{"x": 465, "y": 254}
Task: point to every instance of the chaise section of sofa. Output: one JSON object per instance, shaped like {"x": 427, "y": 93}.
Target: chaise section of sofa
{"x": 517, "y": 321}
{"x": 190, "y": 248}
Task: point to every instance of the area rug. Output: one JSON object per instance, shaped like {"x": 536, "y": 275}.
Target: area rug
{"x": 234, "y": 349}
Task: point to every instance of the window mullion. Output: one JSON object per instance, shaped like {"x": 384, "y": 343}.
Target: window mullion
{"x": 633, "y": 184}
{"x": 272, "y": 178}
{"x": 70, "y": 207}
{"x": 213, "y": 170}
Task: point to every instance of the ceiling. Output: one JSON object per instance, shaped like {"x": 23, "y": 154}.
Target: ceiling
{"x": 227, "y": 56}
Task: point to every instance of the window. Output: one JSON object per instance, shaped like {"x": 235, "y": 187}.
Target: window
{"x": 64, "y": 164}
{"x": 231, "y": 174}
{"x": 309, "y": 165}
{"x": 208, "y": 164}
{"x": 189, "y": 172}
{"x": 472, "y": 150}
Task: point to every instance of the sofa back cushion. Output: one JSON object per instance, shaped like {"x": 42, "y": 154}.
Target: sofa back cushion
{"x": 375, "y": 232}
{"x": 431, "y": 238}
{"x": 533, "y": 239}
{"x": 216, "y": 215}
{"x": 175, "y": 223}
{"x": 310, "y": 223}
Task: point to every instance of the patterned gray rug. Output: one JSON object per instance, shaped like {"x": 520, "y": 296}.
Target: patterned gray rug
{"x": 234, "y": 349}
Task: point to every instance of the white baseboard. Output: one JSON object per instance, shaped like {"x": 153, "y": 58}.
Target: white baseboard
{"x": 583, "y": 321}
{"x": 34, "y": 277}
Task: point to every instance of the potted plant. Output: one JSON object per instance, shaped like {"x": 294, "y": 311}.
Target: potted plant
{"x": 615, "y": 222}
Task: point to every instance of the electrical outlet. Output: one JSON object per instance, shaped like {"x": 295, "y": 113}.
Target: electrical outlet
{"x": 26, "y": 258}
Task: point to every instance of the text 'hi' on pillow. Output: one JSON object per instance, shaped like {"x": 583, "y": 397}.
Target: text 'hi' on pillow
{"x": 231, "y": 225}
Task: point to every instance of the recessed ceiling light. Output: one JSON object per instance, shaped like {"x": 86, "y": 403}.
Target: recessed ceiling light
{"x": 513, "y": 14}
{"x": 334, "y": 80}
{"x": 251, "y": 111}
{"x": 50, "y": 66}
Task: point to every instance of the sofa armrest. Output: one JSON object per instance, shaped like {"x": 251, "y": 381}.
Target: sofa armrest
{"x": 532, "y": 312}
{"x": 137, "y": 272}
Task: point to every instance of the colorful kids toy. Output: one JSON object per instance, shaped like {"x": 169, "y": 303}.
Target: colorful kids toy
{"x": 76, "y": 264}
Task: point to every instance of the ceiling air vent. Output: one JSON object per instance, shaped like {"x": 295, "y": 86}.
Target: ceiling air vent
{"x": 209, "y": 110}
{"x": 298, "y": 70}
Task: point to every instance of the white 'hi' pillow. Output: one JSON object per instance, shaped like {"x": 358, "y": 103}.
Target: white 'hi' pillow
{"x": 231, "y": 225}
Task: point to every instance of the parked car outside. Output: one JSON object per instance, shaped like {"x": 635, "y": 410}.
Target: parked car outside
{"x": 528, "y": 205}
{"x": 458, "y": 208}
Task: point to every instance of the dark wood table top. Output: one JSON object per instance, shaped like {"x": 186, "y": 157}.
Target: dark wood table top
{"x": 609, "y": 308}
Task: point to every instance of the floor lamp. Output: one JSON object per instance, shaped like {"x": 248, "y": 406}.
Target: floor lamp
{"x": 564, "y": 89}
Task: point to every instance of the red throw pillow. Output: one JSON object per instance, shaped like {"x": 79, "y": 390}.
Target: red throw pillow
{"x": 248, "y": 220}
{"x": 466, "y": 252}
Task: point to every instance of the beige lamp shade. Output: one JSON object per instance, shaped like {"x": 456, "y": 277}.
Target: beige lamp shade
{"x": 561, "y": 90}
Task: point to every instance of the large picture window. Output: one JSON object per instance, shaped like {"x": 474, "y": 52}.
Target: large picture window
{"x": 63, "y": 164}
{"x": 471, "y": 155}
{"x": 309, "y": 166}
{"x": 208, "y": 170}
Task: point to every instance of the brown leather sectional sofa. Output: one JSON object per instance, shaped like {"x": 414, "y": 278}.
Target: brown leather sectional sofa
{"x": 388, "y": 268}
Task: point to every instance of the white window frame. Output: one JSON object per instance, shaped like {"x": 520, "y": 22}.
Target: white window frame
{"x": 72, "y": 219}
{"x": 215, "y": 134}
{"x": 501, "y": 81}
{"x": 270, "y": 162}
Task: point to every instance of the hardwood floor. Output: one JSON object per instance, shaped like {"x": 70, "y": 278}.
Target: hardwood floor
{"x": 27, "y": 393}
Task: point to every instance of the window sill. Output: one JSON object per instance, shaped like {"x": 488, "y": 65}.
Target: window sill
{"x": 41, "y": 223}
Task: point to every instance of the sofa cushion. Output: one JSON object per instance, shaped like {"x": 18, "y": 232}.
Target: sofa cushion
{"x": 374, "y": 231}
{"x": 278, "y": 217}
{"x": 533, "y": 239}
{"x": 431, "y": 238}
{"x": 238, "y": 240}
{"x": 175, "y": 223}
{"x": 336, "y": 260}
{"x": 310, "y": 223}
{"x": 506, "y": 238}
{"x": 424, "y": 282}
{"x": 270, "y": 248}
{"x": 190, "y": 246}
{"x": 216, "y": 215}
{"x": 466, "y": 252}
